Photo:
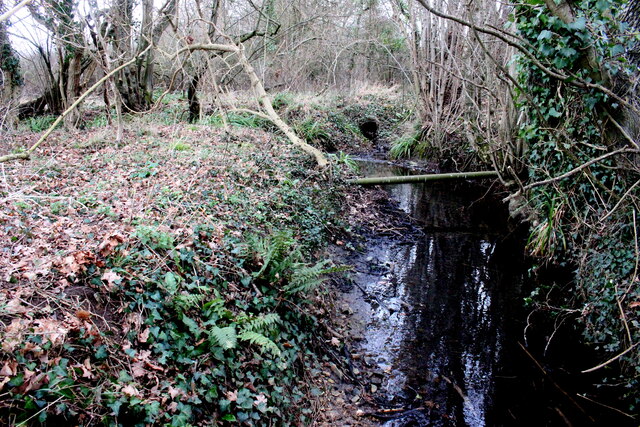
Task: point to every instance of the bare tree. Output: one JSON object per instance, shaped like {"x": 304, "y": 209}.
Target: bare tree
{"x": 455, "y": 78}
{"x": 136, "y": 83}
{"x": 59, "y": 18}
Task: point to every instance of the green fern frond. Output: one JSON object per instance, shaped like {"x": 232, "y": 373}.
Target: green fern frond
{"x": 272, "y": 251}
{"x": 261, "y": 341}
{"x": 306, "y": 277}
{"x": 185, "y": 302}
{"x": 262, "y": 323}
{"x": 226, "y": 338}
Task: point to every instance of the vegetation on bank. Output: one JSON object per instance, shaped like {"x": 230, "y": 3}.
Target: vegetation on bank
{"x": 587, "y": 221}
{"x": 169, "y": 280}
{"x": 570, "y": 162}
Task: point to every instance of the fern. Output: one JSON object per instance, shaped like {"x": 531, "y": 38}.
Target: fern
{"x": 224, "y": 337}
{"x": 262, "y": 323}
{"x": 261, "y": 341}
{"x": 282, "y": 260}
{"x": 274, "y": 251}
{"x": 307, "y": 277}
{"x": 185, "y": 302}
{"x": 192, "y": 325}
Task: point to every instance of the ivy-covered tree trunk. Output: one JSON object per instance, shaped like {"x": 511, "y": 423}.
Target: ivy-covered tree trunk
{"x": 192, "y": 97}
{"x": 65, "y": 73}
{"x": 584, "y": 165}
{"x": 10, "y": 77}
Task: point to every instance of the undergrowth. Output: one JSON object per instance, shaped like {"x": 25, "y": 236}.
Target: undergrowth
{"x": 171, "y": 281}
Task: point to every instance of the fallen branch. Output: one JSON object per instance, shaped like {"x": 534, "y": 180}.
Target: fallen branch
{"x": 422, "y": 178}
{"x": 26, "y": 154}
{"x": 262, "y": 97}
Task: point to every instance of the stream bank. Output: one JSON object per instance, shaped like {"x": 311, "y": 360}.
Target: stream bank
{"x": 434, "y": 318}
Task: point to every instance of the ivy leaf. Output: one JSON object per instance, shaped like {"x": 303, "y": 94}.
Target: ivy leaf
{"x": 192, "y": 325}
{"x": 568, "y": 52}
{"x": 602, "y": 5}
{"x": 544, "y": 35}
{"x": 578, "y": 24}
{"x": 171, "y": 283}
{"x": 617, "y": 50}
{"x": 554, "y": 113}
{"x": 560, "y": 62}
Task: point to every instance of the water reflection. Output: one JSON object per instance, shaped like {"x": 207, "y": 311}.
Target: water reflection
{"x": 435, "y": 306}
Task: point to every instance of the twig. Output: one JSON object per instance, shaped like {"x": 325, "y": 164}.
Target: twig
{"x": 26, "y": 422}
{"x": 635, "y": 269}
{"x": 607, "y": 406}
{"x": 555, "y": 384}
{"x": 613, "y": 359}
{"x": 581, "y": 167}
{"x": 620, "y": 201}
{"x": 623, "y": 316}
{"x": 464, "y": 397}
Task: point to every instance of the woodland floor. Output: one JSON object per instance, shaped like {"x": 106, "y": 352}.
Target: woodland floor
{"x": 151, "y": 281}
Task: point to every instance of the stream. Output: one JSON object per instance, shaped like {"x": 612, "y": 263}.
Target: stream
{"x": 437, "y": 312}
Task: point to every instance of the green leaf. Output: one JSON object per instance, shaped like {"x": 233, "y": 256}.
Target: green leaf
{"x": 568, "y": 52}
{"x": 260, "y": 340}
{"x": 224, "y": 337}
{"x": 229, "y": 417}
{"x": 101, "y": 352}
{"x": 578, "y": 24}
{"x": 617, "y": 50}
{"x": 554, "y": 113}
{"x": 560, "y": 62}
{"x": 192, "y": 325}
{"x": 171, "y": 283}
{"x": 115, "y": 407}
{"x": 262, "y": 323}
{"x": 544, "y": 34}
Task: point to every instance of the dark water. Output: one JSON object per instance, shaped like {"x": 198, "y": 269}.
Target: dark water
{"x": 440, "y": 312}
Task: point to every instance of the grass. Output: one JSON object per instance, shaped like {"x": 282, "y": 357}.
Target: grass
{"x": 404, "y": 147}
{"x": 40, "y": 123}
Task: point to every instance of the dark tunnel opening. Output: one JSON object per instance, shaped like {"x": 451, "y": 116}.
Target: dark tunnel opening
{"x": 369, "y": 129}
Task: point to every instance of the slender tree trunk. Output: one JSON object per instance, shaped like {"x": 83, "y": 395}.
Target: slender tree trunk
{"x": 10, "y": 78}
{"x": 192, "y": 96}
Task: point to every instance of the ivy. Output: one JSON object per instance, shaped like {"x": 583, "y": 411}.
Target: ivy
{"x": 10, "y": 63}
{"x": 566, "y": 127}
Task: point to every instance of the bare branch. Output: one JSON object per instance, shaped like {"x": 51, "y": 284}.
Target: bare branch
{"x": 581, "y": 167}
{"x": 16, "y": 8}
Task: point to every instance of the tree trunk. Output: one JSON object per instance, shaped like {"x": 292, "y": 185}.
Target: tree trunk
{"x": 10, "y": 78}
{"x": 192, "y": 96}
